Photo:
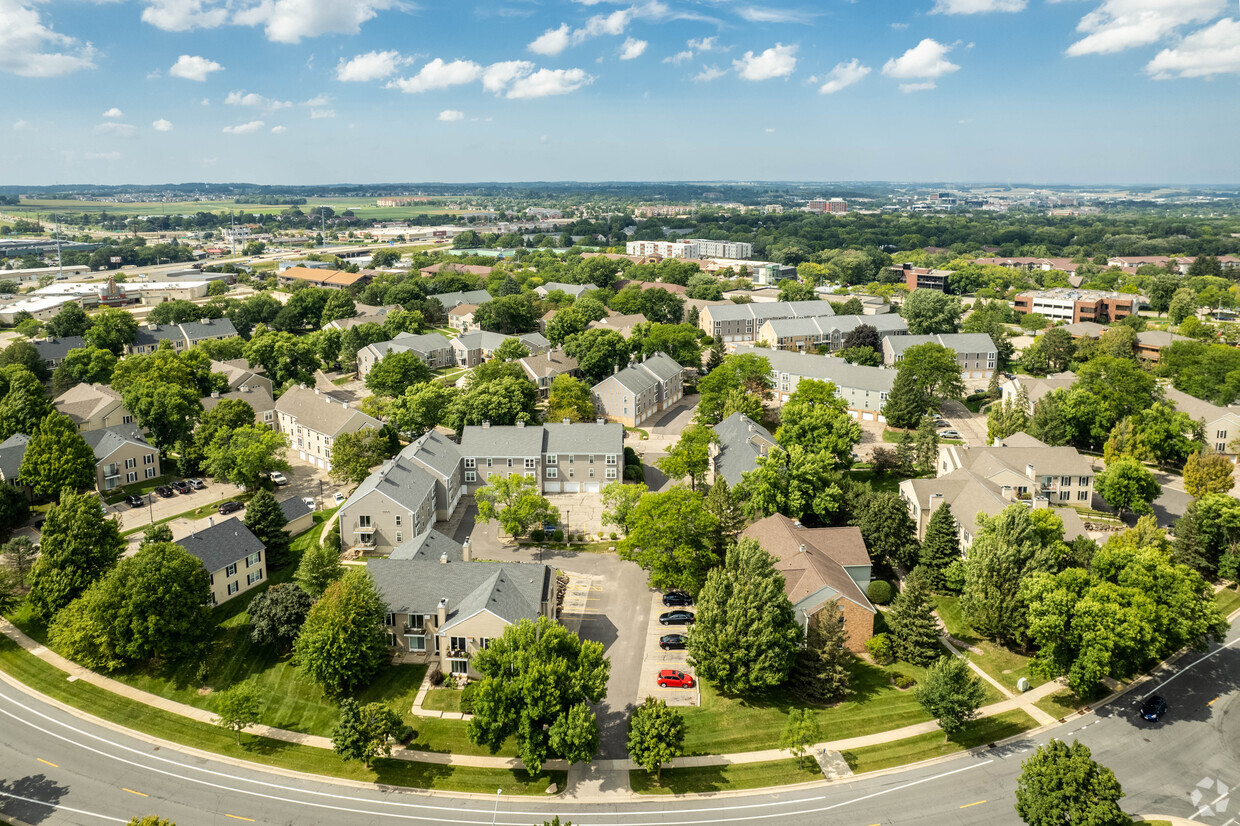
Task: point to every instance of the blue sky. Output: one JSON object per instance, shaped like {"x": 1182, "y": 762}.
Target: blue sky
{"x": 320, "y": 91}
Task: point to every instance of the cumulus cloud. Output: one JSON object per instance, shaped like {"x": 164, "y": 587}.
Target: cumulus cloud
{"x": 184, "y": 15}
{"x": 548, "y": 82}
{"x": 843, "y": 76}
{"x": 116, "y": 130}
{"x": 113, "y": 113}
{"x": 23, "y": 126}
{"x": 244, "y": 128}
{"x": 705, "y": 44}
{"x": 977, "y": 6}
{"x": 709, "y": 73}
{"x": 320, "y": 114}
{"x": 439, "y": 75}
{"x": 497, "y": 76}
{"x": 777, "y": 61}
{"x": 279, "y": 130}
{"x": 925, "y": 61}
{"x": 923, "y": 86}
{"x": 1211, "y": 51}
{"x": 29, "y": 48}
{"x": 369, "y": 66}
{"x": 241, "y": 97}
{"x": 288, "y": 21}
{"x": 162, "y": 125}
{"x": 191, "y": 67}
{"x": 317, "y": 100}
{"x": 1122, "y": 24}
{"x": 632, "y": 48}
{"x": 552, "y": 41}
{"x": 451, "y": 115}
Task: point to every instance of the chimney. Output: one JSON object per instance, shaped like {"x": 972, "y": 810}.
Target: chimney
{"x": 565, "y": 420}
{"x": 936, "y": 499}
{"x": 443, "y": 558}
{"x": 1006, "y": 493}
{"x": 802, "y": 549}
{"x": 486, "y": 425}
{"x": 441, "y": 615}
{"x": 467, "y": 552}
{"x": 1040, "y": 502}
{"x": 1029, "y": 471}
{"x": 521, "y": 424}
{"x": 152, "y": 326}
{"x": 215, "y": 394}
{"x": 796, "y": 523}
{"x": 205, "y": 320}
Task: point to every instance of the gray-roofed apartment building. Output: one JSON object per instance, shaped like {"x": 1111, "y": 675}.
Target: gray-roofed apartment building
{"x": 433, "y": 349}
{"x": 93, "y": 407}
{"x": 471, "y": 349}
{"x": 561, "y": 457}
{"x": 122, "y": 457}
{"x": 455, "y": 299}
{"x": 740, "y": 442}
{"x": 740, "y": 323}
{"x": 443, "y": 607}
{"x": 394, "y": 504}
{"x": 863, "y": 389}
{"x": 12, "y": 452}
{"x": 240, "y": 374}
{"x": 232, "y": 555}
{"x": 815, "y": 332}
{"x": 53, "y": 350}
{"x": 544, "y": 367}
{"x": 258, "y": 398}
{"x": 975, "y": 352}
{"x": 181, "y": 336}
{"x": 312, "y": 420}
{"x": 574, "y": 290}
{"x": 639, "y": 391}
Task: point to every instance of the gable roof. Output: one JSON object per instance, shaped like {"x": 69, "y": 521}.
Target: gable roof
{"x": 55, "y": 349}
{"x": 826, "y": 325}
{"x": 969, "y": 494}
{"x": 12, "y": 452}
{"x": 221, "y": 544}
{"x": 827, "y": 368}
{"x": 318, "y": 275}
{"x": 639, "y": 377}
{"x": 452, "y": 266}
{"x": 322, "y": 412}
{"x": 1198, "y": 408}
{"x": 761, "y": 311}
{"x": 623, "y": 324}
{"x": 606, "y": 438}
{"x": 83, "y": 402}
{"x": 239, "y": 372}
{"x": 486, "y": 340}
{"x": 435, "y": 452}
{"x": 400, "y": 480}
{"x": 256, "y": 396}
{"x": 575, "y": 290}
{"x": 741, "y": 442}
{"x": 294, "y": 508}
{"x": 415, "y": 581}
{"x": 461, "y": 310}
{"x": 959, "y": 342}
{"x": 208, "y": 328}
{"x": 454, "y": 299}
{"x": 107, "y": 441}
{"x": 152, "y": 334}
{"x": 548, "y": 365}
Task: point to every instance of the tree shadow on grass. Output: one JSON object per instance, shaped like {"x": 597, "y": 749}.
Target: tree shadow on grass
{"x": 30, "y": 799}
{"x": 699, "y": 779}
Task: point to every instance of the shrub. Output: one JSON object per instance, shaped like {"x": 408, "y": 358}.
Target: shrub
{"x": 403, "y": 733}
{"x": 879, "y": 592}
{"x": 881, "y": 649}
{"x": 557, "y": 536}
{"x": 613, "y": 535}
{"x": 953, "y": 577}
{"x": 467, "y": 698}
{"x": 436, "y": 677}
{"x": 537, "y": 535}
{"x": 634, "y": 473}
{"x": 902, "y": 680}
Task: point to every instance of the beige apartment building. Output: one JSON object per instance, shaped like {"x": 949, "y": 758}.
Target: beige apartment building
{"x": 313, "y": 420}
{"x": 232, "y": 555}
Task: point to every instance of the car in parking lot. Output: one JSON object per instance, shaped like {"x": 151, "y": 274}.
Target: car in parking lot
{"x": 309, "y": 500}
{"x": 135, "y": 501}
{"x": 197, "y": 484}
{"x": 950, "y": 434}
{"x": 677, "y": 618}
{"x": 182, "y": 486}
{"x": 338, "y": 498}
{"x": 278, "y": 479}
{"x": 671, "y": 678}
{"x": 1153, "y": 708}
{"x": 230, "y": 507}
{"x": 673, "y": 599}
{"x": 672, "y": 642}
{"x": 942, "y": 423}
{"x": 165, "y": 491}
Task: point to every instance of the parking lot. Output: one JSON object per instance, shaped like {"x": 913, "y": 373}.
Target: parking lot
{"x": 655, "y": 659}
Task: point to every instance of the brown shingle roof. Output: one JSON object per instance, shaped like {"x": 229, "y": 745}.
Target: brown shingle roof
{"x": 820, "y": 564}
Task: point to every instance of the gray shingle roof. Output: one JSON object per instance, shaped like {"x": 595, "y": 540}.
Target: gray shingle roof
{"x": 579, "y": 438}
{"x": 512, "y": 591}
{"x": 429, "y": 546}
{"x": 152, "y": 334}
{"x": 551, "y": 363}
{"x": 741, "y": 442}
{"x": 256, "y": 397}
{"x": 209, "y": 328}
{"x": 767, "y": 310}
{"x": 1198, "y": 408}
{"x": 398, "y": 479}
{"x": 294, "y": 508}
{"x": 434, "y": 451}
{"x": 514, "y": 441}
{"x": 824, "y": 325}
{"x": 486, "y": 340}
{"x": 826, "y": 368}
{"x": 107, "y": 441}
{"x": 12, "y": 451}
{"x": 534, "y": 440}
{"x": 57, "y": 348}
{"x": 322, "y": 412}
{"x": 454, "y": 299}
{"x": 83, "y": 402}
{"x": 960, "y": 342}
{"x": 575, "y": 290}
{"x": 640, "y": 377}
{"x": 420, "y": 342}
{"x": 221, "y": 544}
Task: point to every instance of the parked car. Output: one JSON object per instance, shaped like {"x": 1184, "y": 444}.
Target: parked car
{"x": 230, "y": 507}
{"x": 135, "y": 501}
{"x": 671, "y": 678}
{"x": 1153, "y": 708}
{"x": 677, "y": 618}
{"x": 950, "y": 434}
{"x": 673, "y": 599}
{"x": 309, "y": 500}
{"x": 197, "y": 484}
{"x": 279, "y": 479}
{"x": 338, "y": 498}
{"x": 672, "y": 642}
{"x": 942, "y": 423}
{"x": 165, "y": 491}
{"x": 182, "y": 486}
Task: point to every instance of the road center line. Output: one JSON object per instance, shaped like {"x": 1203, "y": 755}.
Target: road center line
{"x": 47, "y": 762}
{"x": 131, "y": 791}
{"x": 974, "y": 803}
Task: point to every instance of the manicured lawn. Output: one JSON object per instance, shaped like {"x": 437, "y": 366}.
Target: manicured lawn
{"x": 1003, "y": 664}
{"x": 53, "y": 682}
{"x": 146, "y": 486}
{"x": 880, "y": 482}
{"x": 1228, "y": 600}
{"x": 702, "y": 779}
{"x": 442, "y": 699}
{"x": 935, "y": 744}
{"x": 726, "y": 724}
{"x": 1061, "y": 703}
{"x": 200, "y": 512}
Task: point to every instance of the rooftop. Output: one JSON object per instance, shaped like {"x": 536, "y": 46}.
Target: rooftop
{"x": 826, "y": 368}
{"x": 322, "y": 412}
{"x": 221, "y": 544}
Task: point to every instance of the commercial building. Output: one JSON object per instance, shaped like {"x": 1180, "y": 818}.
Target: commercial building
{"x": 1073, "y": 305}
{"x": 923, "y": 278}
{"x": 328, "y": 279}
{"x": 833, "y": 206}
{"x": 691, "y": 248}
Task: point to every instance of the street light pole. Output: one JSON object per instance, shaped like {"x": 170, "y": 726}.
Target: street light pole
{"x": 495, "y": 813}
{"x": 150, "y": 506}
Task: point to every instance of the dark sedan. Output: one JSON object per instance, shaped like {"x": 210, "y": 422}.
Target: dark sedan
{"x": 135, "y": 501}
{"x": 165, "y": 491}
{"x": 1153, "y": 708}
{"x": 676, "y": 618}
{"x": 674, "y": 599}
{"x": 672, "y": 642}
{"x": 230, "y": 507}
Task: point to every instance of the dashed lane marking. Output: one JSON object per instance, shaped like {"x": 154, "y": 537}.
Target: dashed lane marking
{"x": 47, "y": 762}
{"x": 974, "y": 803}
{"x": 131, "y": 791}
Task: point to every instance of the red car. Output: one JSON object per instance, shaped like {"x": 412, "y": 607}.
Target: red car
{"x": 671, "y": 678}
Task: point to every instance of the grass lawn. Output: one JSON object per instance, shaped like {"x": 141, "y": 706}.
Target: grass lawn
{"x": 576, "y": 547}
{"x": 934, "y": 744}
{"x": 1003, "y": 664}
{"x": 53, "y": 682}
{"x": 1228, "y": 600}
{"x": 442, "y": 699}
{"x": 342, "y": 380}
{"x": 642, "y": 433}
{"x": 1061, "y": 703}
{"x": 702, "y": 779}
{"x": 880, "y": 482}
{"x": 145, "y": 486}
{"x": 724, "y": 724}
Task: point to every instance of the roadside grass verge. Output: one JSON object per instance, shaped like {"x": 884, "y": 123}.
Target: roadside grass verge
{"x": 1004, "y": 664}
{"x": 1228, "y": 599}
{"x": 703, "y": 779}
{"x": 1061, "y": 704}
{"x": 936, "y": 744}
{"x": 53, "y": 682}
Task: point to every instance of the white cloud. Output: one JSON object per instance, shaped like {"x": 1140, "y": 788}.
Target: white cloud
{"x": 162, "y": 125}
{"x": 244, "y": 128}
{"x": 113, "y": 113}
{"x": 320, "y": 114}
{"x": 1211, "y": 51}
{"x": 925, "y": 60}
{"x": 184, "y": 15}
{"x": 899, "y": 27}
{"x": 924, "y": 86}
{"x": 288, "y": 21}
{"x": 279, "y": 130}
{"x": 632, "y": 48}
{"x": 317, "y": 100}
{"x": 843, "y": 76}
{"x": 102, "y": 156}
{"x": 763, "y": 14}
{"x": 547, "y": 82}
{"x": 706, "y": 44}
{"x": 1121, "y": 24}
{"x": 770, "y": 131}
{"x": 977, "y": 6}
{"x": 551, "y": 42}
{"x": 438, "y": 75}
{"x": 451, "y": 115}
{"x": 497, "y": 76}
{"x": 28, "y": 48}
{"x": 679, "y": 57}
{"x": 777, "y": 61}
{"x": 255, "y": 101}
{"x": 369, "y": 66}
{"x": 206, "y": 102}
{"x": 116, "y": 130}
{"x": 190, "y": 67}
{"x": 709, "y": 73}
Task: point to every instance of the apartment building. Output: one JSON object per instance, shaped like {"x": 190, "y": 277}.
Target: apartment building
{"x": 922, "y": 278}
{"x": 808, "y": 334}
{"x": 863, "y": 389}
{"x": 459, "y": 269}
{"x": 435, "y": 350}
{"x": 1073, "y": 305}
{"x": 669, "y": 211}
{"x": 471, "y": 349}
{"x": 622, "y": 324}
{"x": 93, "y": 407}
{"x": 456, "y": 299}
{"x": 574, "y": 290}
{"x": 240, "y": 374}
{"x": 180, "y": 336}
{"x": 122, "y": 457}
{"x": 543, "y": 368}
{"x": 461, "y": 318}
{"x": 258, "y": 398}
{"x": 740, "y": 323}
{"x": 562, "y": 457}
{"x": 831, "y": 206}
{"x": 639, "y": 391}
{"x": 691, "y": 248}
{"x": 975, "y": 352}
{"x": 394, "y": 504}
{"x": 53, "y": 350}
{"x": 1221, "y": 424}
{"x": 233, "y": 556}
{"x": 1035, "y": 388}
{"x": 313, "y": 420}
{"x": 739, "y": 443}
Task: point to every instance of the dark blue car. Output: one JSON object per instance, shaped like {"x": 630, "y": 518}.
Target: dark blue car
{"x": 1153, "y": 708}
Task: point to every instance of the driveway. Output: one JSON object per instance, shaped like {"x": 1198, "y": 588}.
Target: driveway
{"x": 972, "y": 426}
{"x": 655, "y": 659}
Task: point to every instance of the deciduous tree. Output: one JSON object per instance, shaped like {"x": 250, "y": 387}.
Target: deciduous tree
{"x": 238, "y": 706}
{"x": 398, "y": 370}
{"x": 669, "y": 535}
{"x": 1208, "y": 472}
{"x": 619, "y": 500}
{"x": 930, "y": 311}
{"x": 78, "y": 545}
{"x": 514, "y": 501}
{"x": 320, "y": 566}
{"x": 796, "y": 482}
{"x": 342, "y": 643}
{"x": 569, "y": 398}
{"x": 245, "y": 455}
{"x": 800, "y": 733}
{"x": 951, "y": 694}
{"x": 364, "y": 732}
{"x": 354, "y": 454}
{"x": 690, "y": 456}
{"x": 57, "y": 458}
{"x": 1127, "y": 485}
{"x": 816, "y": 418}
{"x": 420, "y": 408}
{"x": 1061, "y": 783}
{"x": 656, "y": 735}
{"x": 276, "y": 615}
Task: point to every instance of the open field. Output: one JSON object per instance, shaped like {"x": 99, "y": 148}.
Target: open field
{"x": 362, "y": 207}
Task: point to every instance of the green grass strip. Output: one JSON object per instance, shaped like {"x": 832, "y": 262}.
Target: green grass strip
{"x": 935, "y": 744}
{"x": 704, "y": 779}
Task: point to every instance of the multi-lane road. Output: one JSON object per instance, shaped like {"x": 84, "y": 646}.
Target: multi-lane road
{"x": 57, "y": 768}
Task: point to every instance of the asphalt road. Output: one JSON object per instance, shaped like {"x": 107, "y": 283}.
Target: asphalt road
{"x": 59, "y": 769}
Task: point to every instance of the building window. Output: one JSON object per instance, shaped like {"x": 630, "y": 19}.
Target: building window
{"x": 611, "y": 473}
{"x": 253, "y": 559}
{"x": 148, "y": 459}
{"x": 131, "y": 463}
{"x": 233, "y": 587}
{"x": 416, "y": 642}
{"x": 1222, "y": 434}
{"x": 611, "y": 459}
{"x": 1066, "y": 481}
{"x": 484, "y": 643}
{"x": 456, "y": 643}
{"x": 1220, "y": 447}
{"x": 391, "y": 640}
{"x": 257, "y": 576}
{"x": 471, "y": 476}
{"x": 1085, "y": 481}
{"x": 363, "y": 521}
{"x": 1082, "y": 496}
{"x": 553, "y": 459}
{"x": 459, "y": 666}
{"x": 398, "y": 520}
{"x": 552, "y": 473}
{"x": 417, "y": 622}
{"x": 131, "y": 477}
{"x": 470, "y": 463}
{"x": 529, "y": 463}
{"x": 591, "y": 473}
{"x": 488, "y": 461}
{"x": 400, "y": 536}
{"x": 150, "y": 473}
{"x": 389, "y": 619}
{"x": 231, "y": 570}
{"x": 1065, "y": 495}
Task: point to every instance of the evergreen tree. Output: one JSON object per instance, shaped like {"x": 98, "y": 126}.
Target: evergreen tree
{"x": 266, "y": 520}
{"x": 277, "y": 614}
{"x": 715, "y": 358}
{"x": 723, "y": 504}
{"x": 821, "y": 671}
{"x": 926, "y": 446}
{"x": 887, "y": 528}
{"x": 941, "y": 547}
{"x": 906, "y": 403}
{"x": 911, "y": 620}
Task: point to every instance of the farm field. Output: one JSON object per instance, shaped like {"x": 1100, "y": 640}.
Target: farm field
{"x": 362, "y": 207}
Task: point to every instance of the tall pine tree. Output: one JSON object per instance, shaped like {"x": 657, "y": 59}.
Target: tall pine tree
{"x": 266, "y": 520}
{"x": 941, "y": 547}
{"x": 907, "y": 403}
{"x": 913, "y": 628}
